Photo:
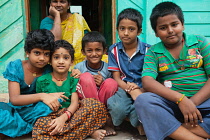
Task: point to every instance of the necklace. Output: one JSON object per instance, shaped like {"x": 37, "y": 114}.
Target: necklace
{"x": 59, "y": 80}
{"x": 177, "y": 62}
{"x": 33, "y": 72}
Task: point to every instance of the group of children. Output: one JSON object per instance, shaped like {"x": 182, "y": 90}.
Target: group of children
{"x": 165, "y": 87}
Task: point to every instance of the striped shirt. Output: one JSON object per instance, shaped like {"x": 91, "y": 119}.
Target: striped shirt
{"x": 189, "y": 73}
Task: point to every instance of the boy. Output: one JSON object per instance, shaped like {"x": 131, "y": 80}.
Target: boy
{"x": 95, "y": 80}
{"x": 181, "y": 63}
{"x": 126, "y": 60}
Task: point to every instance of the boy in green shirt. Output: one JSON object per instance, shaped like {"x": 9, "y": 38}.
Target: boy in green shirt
{"x": 176, "y": 75}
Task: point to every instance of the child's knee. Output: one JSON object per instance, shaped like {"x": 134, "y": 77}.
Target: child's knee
{"x": 86, "y": 77}
{"x": 111, "y": 84}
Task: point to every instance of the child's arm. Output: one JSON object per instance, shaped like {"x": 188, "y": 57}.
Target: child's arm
{"x": 190, "y": 112}
{"x": 58, "y": 123}
{"x": 202, "y": 95}
{"x": 121, "y": 83}
{"x": 17, "y": 99}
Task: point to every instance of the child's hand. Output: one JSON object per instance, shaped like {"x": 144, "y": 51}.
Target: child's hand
{"x": 131, "y": 86}
{"x": 75, "y": 73}
{"x": 57, "y": 125}
{"x": 59, "y": 95}
{"x": 190, "y": 112}
{"x": 52, "y": 99}
{"x": 98, "y": 78}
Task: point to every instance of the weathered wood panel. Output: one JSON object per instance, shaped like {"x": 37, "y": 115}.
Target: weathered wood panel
{"x": 10, "y": 37}
{"x": 12, "y": 34}
{"x": 10, "y": 12}
{"x": 136, "y": 4}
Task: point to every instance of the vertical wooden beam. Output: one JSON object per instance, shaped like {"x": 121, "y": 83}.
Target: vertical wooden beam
{"x": 27, "y": 13}
{"x": 114, "y": 21}
{"x": 100, "y": 11}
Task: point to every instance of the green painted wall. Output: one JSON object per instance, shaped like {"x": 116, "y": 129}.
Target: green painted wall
{"x": 13, "y": 28}
{"x": 196, "y": 13}
{"x": 12, "y": 33}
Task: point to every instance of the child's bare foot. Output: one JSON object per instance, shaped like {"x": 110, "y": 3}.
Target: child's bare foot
{"x": 98, "y": 134}
{"x": 109, "y": 127}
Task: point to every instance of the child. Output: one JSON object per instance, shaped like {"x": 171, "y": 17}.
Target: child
{"x": 71, "y": 121}
{"x": 18, "y": 116}
{"x": 185, "y": 96}
{"x": 95, "y": 80}
{"x": 126, "y": 60}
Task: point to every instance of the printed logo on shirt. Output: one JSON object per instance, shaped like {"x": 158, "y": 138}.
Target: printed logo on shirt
{"x": 163, "y": 67}
{"x": 194, "y": 58}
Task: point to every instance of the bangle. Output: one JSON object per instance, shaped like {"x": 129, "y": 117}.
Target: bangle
{"x": 180, "y": 99}
{"x": 68, "y": 114}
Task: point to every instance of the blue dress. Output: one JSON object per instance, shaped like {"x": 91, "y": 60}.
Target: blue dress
{"x": 18, "y": 120}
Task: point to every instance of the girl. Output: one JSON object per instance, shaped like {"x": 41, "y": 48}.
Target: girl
{"x": 74, "y": 120}
{"x": 18, "y": 116}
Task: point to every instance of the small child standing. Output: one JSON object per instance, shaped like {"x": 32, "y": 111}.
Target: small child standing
{"x": 74, "y": 119}
{"x": 176, "y": 71}
{"x": 126, "y": 60}
{"x": 95, "y": 80}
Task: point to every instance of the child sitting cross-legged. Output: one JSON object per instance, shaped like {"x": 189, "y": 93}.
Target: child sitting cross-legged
{"x": 75, "y": 119}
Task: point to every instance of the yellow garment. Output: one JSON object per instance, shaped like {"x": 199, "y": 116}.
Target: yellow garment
{"x": 72, "y": 31}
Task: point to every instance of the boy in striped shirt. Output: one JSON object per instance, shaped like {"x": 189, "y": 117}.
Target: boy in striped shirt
{"x": 176, "y": 74}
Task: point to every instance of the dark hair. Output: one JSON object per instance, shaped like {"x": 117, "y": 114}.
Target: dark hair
{"x": 66, "y": 45}
{"x": 164, "y": 9}
{"x": 40, "y": 38}
{"x": 131, "y": 14}
{"x": 93, "y": 36}
{"x": 69, "y": 1}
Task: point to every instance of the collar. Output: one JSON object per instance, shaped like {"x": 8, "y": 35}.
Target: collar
{"x": 190, "y": 40}
{"x": 140, "y": 47}
{"x": 94, "y": 70}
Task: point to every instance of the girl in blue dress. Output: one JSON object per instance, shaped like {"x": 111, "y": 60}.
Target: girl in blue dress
{"x": 19, "y": 115}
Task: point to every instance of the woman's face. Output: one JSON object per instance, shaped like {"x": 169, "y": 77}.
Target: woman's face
{"x": 61, "y": 5}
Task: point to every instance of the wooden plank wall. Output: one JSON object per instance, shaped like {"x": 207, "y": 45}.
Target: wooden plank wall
{"x": 12, "y": 33}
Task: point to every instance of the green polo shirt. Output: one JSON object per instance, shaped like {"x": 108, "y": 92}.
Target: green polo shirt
{"x": 189, "y": 73}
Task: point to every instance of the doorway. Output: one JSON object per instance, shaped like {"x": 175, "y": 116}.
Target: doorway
{"x": 97, "y": 13}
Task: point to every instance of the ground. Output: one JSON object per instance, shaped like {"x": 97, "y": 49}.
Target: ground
{"x": 124, "y": 131}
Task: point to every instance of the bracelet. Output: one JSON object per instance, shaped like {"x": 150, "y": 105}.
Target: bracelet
{"x": 180, "y": 99}
{"x": 68, "y": 114}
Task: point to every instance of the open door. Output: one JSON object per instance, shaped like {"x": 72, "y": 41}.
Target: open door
{"x": 97, "y": 13}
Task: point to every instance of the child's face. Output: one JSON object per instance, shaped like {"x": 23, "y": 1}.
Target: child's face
{"x": 93, "y": 52}
{"x": 38, "y": 57}
{"x": 61, "y": 60}
{"x": 169, "y": 29}
{"x": 128, "y": 31}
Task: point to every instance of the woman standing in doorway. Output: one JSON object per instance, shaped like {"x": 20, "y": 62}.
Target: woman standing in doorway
{"x": 67, "y": 26}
